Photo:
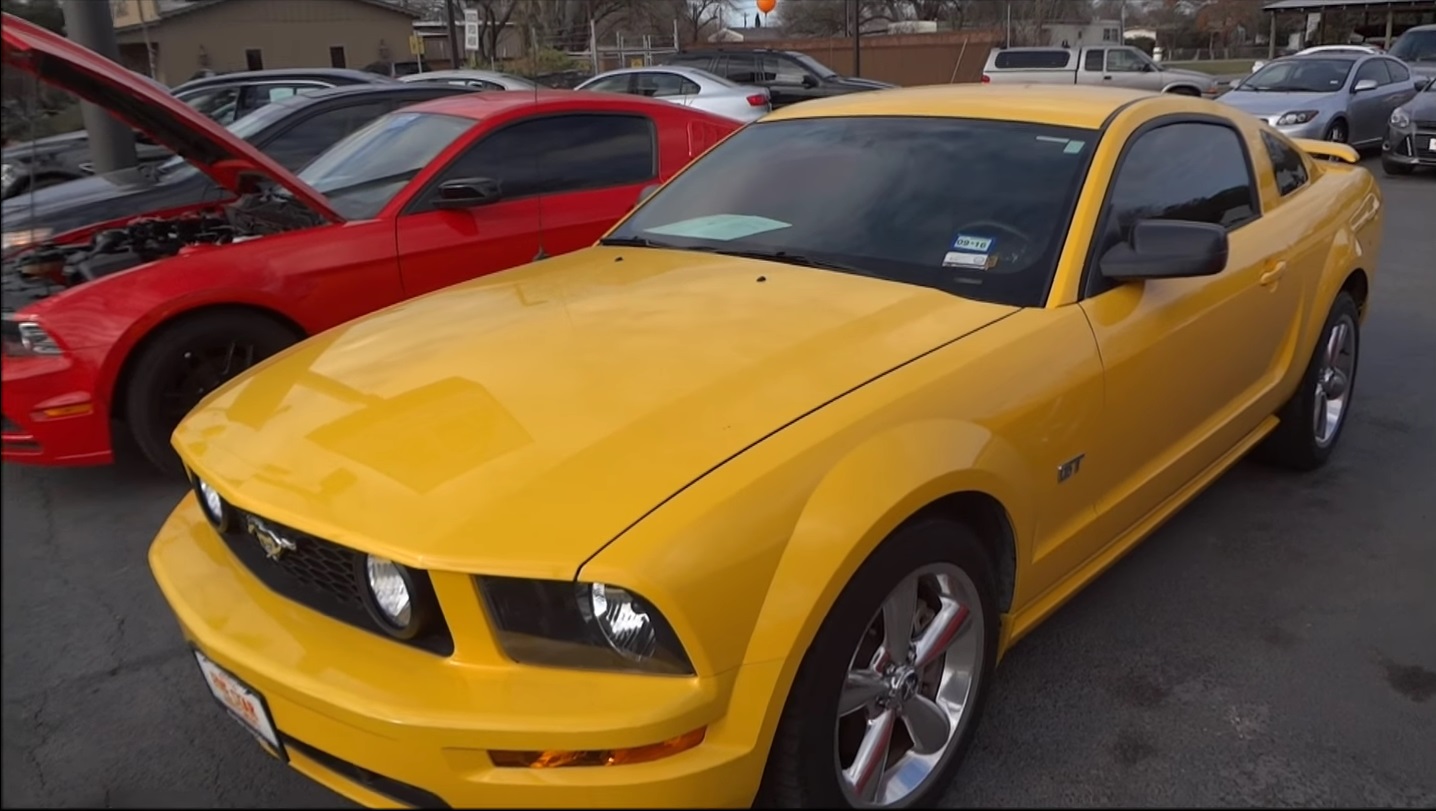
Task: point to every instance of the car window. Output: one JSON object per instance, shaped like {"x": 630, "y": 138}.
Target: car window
{"x": 814, "y": 66}
{"x": 362, "y": 173}
{"x": 1094, "y": 60}
{"x": 1416, "y": 46}
{"x": 660, "y": 85}
{"x": 218, "y": 103}
{"x": 562, "y": 153}
{"x": 1023, "y": 60}
{"x": 1212, "y": 183}
{"x": 1301, "y": 76}
{"x": 1287, "y": 162}
{"x": 1373, "y": 69}
{"x": 743, "y": 69}
{"x": 299, "y": 144}
{"x": 611, "y": 84}
{"x": 1398, "y": 71}
{"x": 975, "y": 208}
{"x": 1121, "y": 60}
{"x": 783, "y": 71}
{"x": 694, "y": 61}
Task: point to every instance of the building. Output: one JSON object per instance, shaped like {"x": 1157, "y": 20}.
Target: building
{"x": 175, "y": 39}
{"x": 1075, "y": 34}
{"x": 1326, "y": 22}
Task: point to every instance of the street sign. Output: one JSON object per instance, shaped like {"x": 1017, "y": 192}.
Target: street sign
{"x": 416, "y": 45}
{"x": 471, "y": 29}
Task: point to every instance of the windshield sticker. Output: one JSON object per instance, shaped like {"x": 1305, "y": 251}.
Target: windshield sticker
{"x": 971, "y": 261}
{"x": 971, "y": 243}
{"x": 719, "y": 227}
{"x": 1073, "y": 147}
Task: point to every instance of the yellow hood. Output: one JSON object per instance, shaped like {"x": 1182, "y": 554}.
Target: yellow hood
{"x": 516, "y": 424}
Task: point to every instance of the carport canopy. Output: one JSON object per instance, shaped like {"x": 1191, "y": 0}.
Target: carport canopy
{"x": 1391, "y": 7}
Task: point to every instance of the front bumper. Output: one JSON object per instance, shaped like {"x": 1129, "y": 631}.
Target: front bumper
{"x": 1316, "y": 128}
{"x": 1411, "y": 147}
{"x": 383, "y": 724}
{"x": 51, "y": 413}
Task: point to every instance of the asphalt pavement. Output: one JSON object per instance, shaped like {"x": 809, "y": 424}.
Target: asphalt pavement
{"x": 1275, "y": 644}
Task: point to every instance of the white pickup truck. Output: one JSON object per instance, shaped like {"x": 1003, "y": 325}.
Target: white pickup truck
{"x": 1116, "y": 65}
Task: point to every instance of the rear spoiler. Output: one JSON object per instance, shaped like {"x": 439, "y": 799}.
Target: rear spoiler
{"x": 1329, "y": 150}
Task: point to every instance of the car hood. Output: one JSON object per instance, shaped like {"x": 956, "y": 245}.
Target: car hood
{"x": 1276, "y": 103}
{"x": 170, "y": 122}
{"x": 1423, "y": 106}
{"x": 516, "y": 424}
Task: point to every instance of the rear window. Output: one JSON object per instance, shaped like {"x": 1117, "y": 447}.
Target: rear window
{"x": 1022, "y": 60}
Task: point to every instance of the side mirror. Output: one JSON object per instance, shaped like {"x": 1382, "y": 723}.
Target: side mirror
{"x": 1364, "y": 85}
{"x": 1422, "y": 82}
{"x": 1167, "y": 249}
{"x": 646, "y": 193}
{"x": 468, "y": 192}
{"x": 809, "y": 80}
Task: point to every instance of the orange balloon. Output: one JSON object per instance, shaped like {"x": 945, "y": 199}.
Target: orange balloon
{"x": 767, "y": 6}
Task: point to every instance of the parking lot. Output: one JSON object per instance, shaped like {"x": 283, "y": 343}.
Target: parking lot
{"x": 1273, "y": 645}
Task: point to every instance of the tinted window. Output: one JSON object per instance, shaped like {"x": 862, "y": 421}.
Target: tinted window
{"x": 783, "y": 71}
{"x": 1286, "y": 162}
{"x": 1416, "y": 46}
{"x": 219, "y": 103}
{"x": 743, "y": 69}
{"x": 660, "y": 85}
{"x": 1019, "y": 60}
{"x": 563, "y": 153}
{"x": 1398, "y": 71}
{"x": 978, "y": 209}
{"x": 693, "y": 61}
{"x": 611, "y": 84}
{"x": 1373, "y": 69}
{"x": 300, "y": 143}
{"x": 814, "y": 66}
{"x": 1094, "y": 60}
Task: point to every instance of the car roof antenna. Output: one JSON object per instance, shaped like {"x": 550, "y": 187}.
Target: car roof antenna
{"x": 538, "y": 198}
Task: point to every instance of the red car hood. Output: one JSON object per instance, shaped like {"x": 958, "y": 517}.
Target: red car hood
{"x": 232, "y": 163}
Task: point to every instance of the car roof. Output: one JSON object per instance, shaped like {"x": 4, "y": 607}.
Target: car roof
{"x": 347, "y": 75}
{"x": 1080, "y": 106}
{"x": 683, "y": 70}
{"x": 396, "y": 89}
{"x": 480, "y": 106}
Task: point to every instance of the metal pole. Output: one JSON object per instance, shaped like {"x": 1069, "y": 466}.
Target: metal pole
{"x": 453, "y": 34}
{"x": 1271, "y": 38}
{"x": 112, "y": 144}
{"x": 593, "y": 45}
{"x": 857, "y": 38}
{"x": 1009, "y": 25}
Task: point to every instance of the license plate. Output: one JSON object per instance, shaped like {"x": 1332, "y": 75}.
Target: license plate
{"x": 242, "y": 702}
{"x": 1431, "y": 145}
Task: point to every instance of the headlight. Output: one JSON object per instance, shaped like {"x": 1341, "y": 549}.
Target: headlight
{"x": 23, "y": 338}
{"x": 401, "y": 602}
{"x": 24, "y": 239}
{"x": 1297, "y": 117}
{"x": 560, "y": 623}
{"x": 212, "y": 504}
{"x": 1400, "y": 119}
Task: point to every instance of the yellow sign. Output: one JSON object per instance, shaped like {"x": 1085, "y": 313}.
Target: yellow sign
{"x": 416, "y": 45}
{"x": 635, "y": 62}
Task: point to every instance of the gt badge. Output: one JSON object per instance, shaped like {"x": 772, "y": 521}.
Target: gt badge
{"x": 274, "y": 544}
{"x": 1069, "y": 468}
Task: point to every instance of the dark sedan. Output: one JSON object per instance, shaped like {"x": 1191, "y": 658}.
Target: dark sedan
{"x": 292, "y": 131}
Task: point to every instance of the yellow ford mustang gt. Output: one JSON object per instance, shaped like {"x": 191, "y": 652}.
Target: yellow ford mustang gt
{"x": 745, "y": 503}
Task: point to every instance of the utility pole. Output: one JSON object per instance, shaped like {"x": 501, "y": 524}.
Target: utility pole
{"x": 857, "y": 38}
{"x": 453, "y": 34}
{"x": 112, "y": 144}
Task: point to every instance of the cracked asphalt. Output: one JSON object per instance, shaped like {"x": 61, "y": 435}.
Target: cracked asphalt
{"x": 1275, "y": 644}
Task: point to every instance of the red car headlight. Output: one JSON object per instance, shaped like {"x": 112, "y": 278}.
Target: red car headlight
{"x": 26, "y": 338}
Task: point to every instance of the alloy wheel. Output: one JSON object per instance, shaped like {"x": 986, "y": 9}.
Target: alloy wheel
{"x": 1333, "y": 380}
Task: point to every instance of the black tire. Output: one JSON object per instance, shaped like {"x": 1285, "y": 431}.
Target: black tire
{"x": 1337, "y": 132}
{"x": 802, "y": 771}
{"x": 1391, "y": 167}
{"x": 181, "y": 362}
{"x": 1295, "y": 443}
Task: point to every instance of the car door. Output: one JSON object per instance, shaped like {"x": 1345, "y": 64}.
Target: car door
{"x": 1368, "y": 108}
{"x": 1126, "y": 69}
{"x": 1194, "y": 365}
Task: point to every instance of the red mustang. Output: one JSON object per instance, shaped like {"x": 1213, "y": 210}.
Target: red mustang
{"x": 124, "y": 327}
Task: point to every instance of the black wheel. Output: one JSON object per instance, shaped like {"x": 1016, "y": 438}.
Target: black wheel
{"x": 887, "y": 698}
{"x": 1337, "y": 132}
{"x": 1391, "y": 167}
{"x": 1312, "y": 421}
{"x": 182, "y": 362}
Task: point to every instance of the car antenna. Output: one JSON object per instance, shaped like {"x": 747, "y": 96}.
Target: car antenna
{"x": 538, "y": 198}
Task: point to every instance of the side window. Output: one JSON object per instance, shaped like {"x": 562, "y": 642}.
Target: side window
{"x": 220, "y": 103}
{"x": 743, "y": 69}
{"x": 1372, "y": 69}
{"x": 1286, "y": 162}
{"x": 303, "y": 142}
{"x": 692, "y": 61}
{"x": 1398, "y": 71}
{"x": 1121, "y": 60}
{"x": 562, "y": 153}
{"x": 783, "y": 71}
{"x": 1094, "y": 60}
{"x": 612, "y": 84}
{"x": 658, "y": 85}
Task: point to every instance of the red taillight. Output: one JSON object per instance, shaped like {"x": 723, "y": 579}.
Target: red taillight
{"x": 986, "y": 79}
{"x": 757, "y": 100}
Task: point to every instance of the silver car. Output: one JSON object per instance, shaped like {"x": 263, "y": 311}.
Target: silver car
{"x": 690, "y": 87}
{"x": 1337, "y": 97}
{"x": 1411, "y": 138}
{"x": 480, "y": 79}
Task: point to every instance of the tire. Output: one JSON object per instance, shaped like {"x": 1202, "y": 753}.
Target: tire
{"x": 160, "y": 390}
{"x": 1303, "y": 441}
{"x": 802, "y": 771}
{"x": 1337, "y": 132}
{"x": 1391, "y": 167}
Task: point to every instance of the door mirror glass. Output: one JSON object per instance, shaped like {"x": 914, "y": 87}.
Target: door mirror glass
{"x": 1167, "y": 249}
{"x": 1364, "y": 85}
{"x": 467, "y": 192}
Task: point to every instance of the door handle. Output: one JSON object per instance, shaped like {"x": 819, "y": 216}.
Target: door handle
{"x": 1273, "y": 274}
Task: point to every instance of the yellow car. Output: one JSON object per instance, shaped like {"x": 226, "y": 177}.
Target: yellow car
{"x": 745, "y": 503}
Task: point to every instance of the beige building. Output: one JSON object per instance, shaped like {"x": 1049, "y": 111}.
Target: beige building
{"x": 185, "y": 37}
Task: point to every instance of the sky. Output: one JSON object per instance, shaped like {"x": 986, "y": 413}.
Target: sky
{"x": 741, "y": 7}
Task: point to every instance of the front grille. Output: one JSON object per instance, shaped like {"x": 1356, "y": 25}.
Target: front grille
{"x": 1422, "y": 124}
{"x": 1421, "y": 141}
{"x": 373, "y": 781}
{"x": 323, "y": 576}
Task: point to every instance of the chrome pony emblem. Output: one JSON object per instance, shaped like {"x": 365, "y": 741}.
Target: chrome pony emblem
{"x": 274, "y": 544}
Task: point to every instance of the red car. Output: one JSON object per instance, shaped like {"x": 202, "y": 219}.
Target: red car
{"x": 125, "y": 327}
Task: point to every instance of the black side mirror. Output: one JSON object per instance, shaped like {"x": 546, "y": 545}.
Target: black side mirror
{"x": 467, "y": 192}
{"x": 809, "y": 80}
{"x": 647, "y": 192}
{"x": 1167, "y": 249}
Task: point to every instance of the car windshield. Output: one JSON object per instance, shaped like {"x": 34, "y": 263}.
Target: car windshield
{"x": 979, "y": 209}
{"x": 362, "y": 173}
{"x": 814, "y": 65}
{"x": 1416, "y": 46}
{"x": 1301, "y": 76}
{"x": 245, "y": 129}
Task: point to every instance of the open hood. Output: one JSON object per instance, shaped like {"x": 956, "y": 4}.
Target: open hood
{"x": 232, "y": 163}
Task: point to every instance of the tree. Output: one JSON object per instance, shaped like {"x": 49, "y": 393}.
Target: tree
{"x": 44, "y": 13}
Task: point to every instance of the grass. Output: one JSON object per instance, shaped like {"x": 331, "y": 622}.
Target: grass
{"x": 1216, "y": 67}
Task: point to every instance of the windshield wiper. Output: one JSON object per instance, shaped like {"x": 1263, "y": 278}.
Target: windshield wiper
{"x": 635, "y": 242}
{"x": 801, "y": 260}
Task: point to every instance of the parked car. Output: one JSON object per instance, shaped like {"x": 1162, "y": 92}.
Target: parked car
{"x": 689, "y": 87}
{"x": 136, "y": 322}
{"x": 788, "y": 76}
{"x": 1114, "y": 65}
{"x": 292, "y": 131}
{"x": 477, "y": 79}
{"x": 224, "y": 97}
{"x": 826, "y": 443}
{"x": 1330, "y": 50}
{"x": 1411, "y": 135}
{"x": 1346, "y": 98}
{"x": 1417, "y": 48}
